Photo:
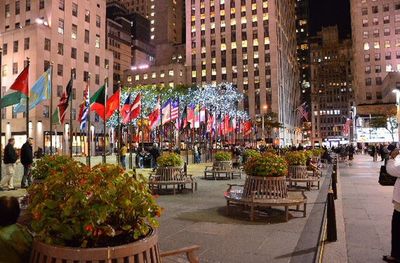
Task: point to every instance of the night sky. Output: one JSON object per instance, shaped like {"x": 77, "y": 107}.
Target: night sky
{"x": 329, "y": 13}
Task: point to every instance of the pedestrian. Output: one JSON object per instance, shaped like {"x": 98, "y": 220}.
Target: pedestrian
{"x": 393, "y": 168}
{"x": 155, "y": 153}
{"x": 10, "y": 158}
{"x": 27, "y": 160}
{"x": 122, "y": 155}
{"x": 374, "y": 152}
{"x": 15, "y": 240}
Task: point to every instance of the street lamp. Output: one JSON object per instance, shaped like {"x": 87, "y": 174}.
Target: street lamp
{"x": 397, "y": 92}
{"x": 265, "y": 110}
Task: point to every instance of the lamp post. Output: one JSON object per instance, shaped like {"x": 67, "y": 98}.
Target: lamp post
{"x": 265, "y": 110}
{"x": 397, "y": 92}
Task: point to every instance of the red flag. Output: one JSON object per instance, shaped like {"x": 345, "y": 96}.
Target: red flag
{"x": 134, "y": 111}
{"x": 247, "y": 128}
{"x": 154, "y": 117}
{"x": 190, "y": 116}
{"x": 112, "y": 104}
{"x": 21, "y": 83}
{"x": 210, "y": 123}
{"x": 126, "y": 107}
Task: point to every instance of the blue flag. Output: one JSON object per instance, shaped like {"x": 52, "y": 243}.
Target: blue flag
{"x": 40, "y": 91}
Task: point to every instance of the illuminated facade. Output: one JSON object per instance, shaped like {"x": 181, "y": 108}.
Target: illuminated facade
{"x": 331, "y": 84}
{"x": 376, "y": 46}
{"x": 142, "y": 7}
{"x": 251, "y": 44}
{"x": 71, "y": 35}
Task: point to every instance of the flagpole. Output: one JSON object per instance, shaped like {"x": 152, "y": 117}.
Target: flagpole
{"x": 27, "y": 108}
{"x": 141, "y": 123}
{"x": 71, "y": 135}
{"x": 89, "y": 132}
{"x": 119, "y": 125}
{"x": 1, "y": 115}
{"x": 179, "y": 126}
{"x": 104, "y": 118}
{"x": 161, "y": 125}
{"x": 51, "y": 108}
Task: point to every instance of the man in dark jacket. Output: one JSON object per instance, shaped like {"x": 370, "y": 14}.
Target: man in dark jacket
{"x": 10, "y": 158}
{"x": 27, "y": 160}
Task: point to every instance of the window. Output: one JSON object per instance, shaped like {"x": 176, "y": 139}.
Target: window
{"x": 375, "y": 9}
{"x": 59, "y": 91}
{"x": 386, "y": 32}
{"x": 60, "y": 49}
{"x": 365, "y": 22}
{"x": 17, "y": 7}
{"x": 365, "y": 34}
{"x": 26, "y": 43}
{"x": 388, "y": 55}
{"x": 106, "y": 63}
{"x": 368, "y": 82}
{"x": 367, "y": 69}
{"x": 7, "y": 12}
{"x": 28, "y": 5}
{"x": 47, "y": 44}
{"x": 377, "y": 56}
{"x": 97, "y": 79}
{"x": 13, "y": 114}
{"x": 386, "y": 20}
{"x": 61, "y": 5}
{"x": 86, "y": 57}
{"x": 87, "y": 16}
{"x": 74, "y": 9}
{"x": 97, "y": 44}
{"x": 5, "y": 47}
{"x": 364, "y": 11}
{"x": 60, "y": 70}
{"x": 375, "y": 21}
{"x": 366, "y": 46}
{"x": 46, "y": 111}
{"x": 41, "y": 4}
{"x": 15, "y": 47}
{"x": 97, "y": 61}
{"x": 87, "y": 36}
{"x": 74, "y": 32}
{"x": 376, "y": 45}
{"x": 61, "y": 26}
{"x": 15, "y": 68}
{"x": 85, "y": 76}
{"x": 378, "y": 69}
{"x": 46, "y": 65}
{"x": 73, "y": 53}
{"x": 98, "y": 21}
{"x": 366, "y": 58}
{"x": 386, "y": 8}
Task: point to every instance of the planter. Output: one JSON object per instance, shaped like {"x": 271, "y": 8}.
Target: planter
{"x": 222, "y": 165}
{"x": 315, "y": 159}
{"x": 144, "y": 250}
{"x": 168, "y": 173}
{"x": 265, "y": 187}
{"x": 298, "y": 171}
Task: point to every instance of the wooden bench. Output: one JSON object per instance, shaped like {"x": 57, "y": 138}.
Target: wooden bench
{"x": 171, "y": 176}
{"x": 213, "y": 172}
{"x": 299, "y": 174}
{"x": 265, "y": 192}
{"x": 189, "y": 251}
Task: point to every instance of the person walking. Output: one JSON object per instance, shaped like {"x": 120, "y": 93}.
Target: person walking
{"x": 122, "y": 155}
{"x": 27, "y": 160}
{"x": 155, "y": 153}
{"x": 393, "y": 168}
{"x": 10, "y": 158}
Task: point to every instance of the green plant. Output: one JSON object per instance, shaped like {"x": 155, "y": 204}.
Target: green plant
{"x": 223, "y": 156}
{"x": 49, "y": 165}
{"x": 82, "y": 207}
{"x": 266, "y": 165}
{"x": 250, "y": 154}
{"x": 296, "y": 158}
{"x": 317, "y": 152}
{"x": 170, "y": 160}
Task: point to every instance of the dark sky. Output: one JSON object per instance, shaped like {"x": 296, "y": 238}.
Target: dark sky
{"x": 329, "y": 13}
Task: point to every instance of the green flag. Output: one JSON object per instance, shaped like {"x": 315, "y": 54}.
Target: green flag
{"x": 11, "y": 99}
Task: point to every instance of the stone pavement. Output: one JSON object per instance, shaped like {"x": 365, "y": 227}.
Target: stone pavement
{"x": 367, "y": 211}
{"x": 200, "y": 219}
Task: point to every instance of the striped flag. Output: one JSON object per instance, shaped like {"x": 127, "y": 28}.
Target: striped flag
{"x": 302, "y": 111}
{"x": 174, "y": 110}
{"x": 134, "y": 111}
{"x": 84, "y": 109}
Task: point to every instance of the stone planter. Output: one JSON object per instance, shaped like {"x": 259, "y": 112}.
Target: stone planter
{"x": 144, "y": 250}
{"x": 265, "y": 187}
{"x": 222, "y": 165}
{"x": 298, "y": 171}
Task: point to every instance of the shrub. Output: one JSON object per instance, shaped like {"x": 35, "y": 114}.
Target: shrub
{"x": 170, "y": 160}
{"x": 250, "y": 154}
{"x": 81, "y": 207}
{"x": 49, "y": 165}
{"x": 223, "y": 156}
{"x": 317, "y": 152}
{"x": 266, "y": 165}
{"x": 296, "y": 158}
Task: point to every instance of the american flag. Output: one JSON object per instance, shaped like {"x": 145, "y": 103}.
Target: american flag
{"x": 174, "y": 110}
{"x": 170, "y": 111}
{"x": 346, "y": 128}
{"x": 84, "y": 110}
{"x": 302, "y": 111}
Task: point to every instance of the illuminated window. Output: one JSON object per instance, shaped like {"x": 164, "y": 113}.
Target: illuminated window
{"x": 145, "y": 76}
{"x": 387, "y": 43}
{"x": 153, "y": 75}
{"x": 376, "y": 45}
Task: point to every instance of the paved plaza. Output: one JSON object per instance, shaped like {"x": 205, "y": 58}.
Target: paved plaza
{"x": 363, "y": 206}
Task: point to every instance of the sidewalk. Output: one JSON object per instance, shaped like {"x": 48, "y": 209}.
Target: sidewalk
{"x": 367, "y": 211}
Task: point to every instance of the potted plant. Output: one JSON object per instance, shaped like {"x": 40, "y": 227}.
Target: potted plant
{"x": 85, "y": 214}
{"x": 266, "y": 174}
{"x": 249, "y": 154}
{"x": 297, "y": 161}
{"x": 48, "y": 165}
{"x": 222, "y": 160}
{"x": 169, "y": 166}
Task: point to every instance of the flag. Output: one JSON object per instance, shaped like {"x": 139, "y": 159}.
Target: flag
{"x": 61, "y": 110}
{"x": 174, "y": 110}
{"x": 84, "y": 108}
{"x": 112, "y": 104}
{"x": 154, "y": 117}
{"x": 126, "y": 107}
{"x": 197, "y": 117}
{"x": 40, "y": 91}
{"x": 210, "y": 123}
{"x": 190, "y": 115}
{"x": 346, "y": 128}
{"x": 184, "y": 118}
{"x": 97, "y": 101}
{"x": 247, "y": 128}
{"x": 203, "y": 114}
{"x": 166, "y": 112}
{"x": 134, "y": 110}
{"x": 302, "y": 111}
{"x": 20, "y": 85}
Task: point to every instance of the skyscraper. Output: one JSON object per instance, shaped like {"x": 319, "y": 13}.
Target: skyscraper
{"x": 331, "y": 84}
{"x": 69, "y": 34}
{"x": 251, "y": 44}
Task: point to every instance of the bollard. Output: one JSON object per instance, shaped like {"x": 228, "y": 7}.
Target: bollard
{"x": 334, "y": 184}
{"x": 331, "y": 217}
